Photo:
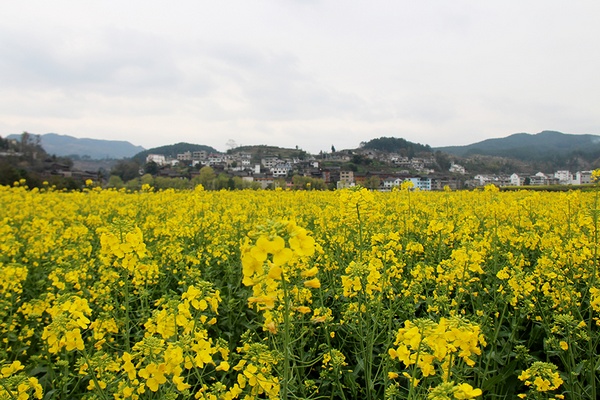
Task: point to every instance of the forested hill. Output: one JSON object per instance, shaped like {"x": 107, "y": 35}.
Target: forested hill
{"x": 396, "y": 145}
{"x": 544, "y": 146}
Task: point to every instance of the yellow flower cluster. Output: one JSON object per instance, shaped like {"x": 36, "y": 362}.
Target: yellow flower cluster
{"x": 257, "y": 371}
{"x": 541, "y": 376}
{"x": 274, "y": 264}
{"x": 449, "y": 391}
{"x": 427, "y": 345}
{"x": 357, "y": 205}
{"x": 69, "y": 317}
{"x": 595, "y": 300}
{"x": 128, "y": 251}
{"x": 334, "y": 360}
{"x": 25, "y": 387}
{"x": 15, "y": 385}
{"x": 362, "y": 279}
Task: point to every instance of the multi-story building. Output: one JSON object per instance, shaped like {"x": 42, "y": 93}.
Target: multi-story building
{"x": 347, "y": 176}
{"x": 281, "y": 170}
{"x": 186, "y": 156}
{"x": 269, "y": 162}
{"x": 200, "y": 155}
{"x": 583, "y": 177}
{"x": 564, "y": 177}
{"x": 421, "y": 182}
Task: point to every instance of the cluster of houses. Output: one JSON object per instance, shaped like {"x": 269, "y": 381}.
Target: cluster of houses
{"x": 562, "y": 177}
{"x": 272, "y": 171}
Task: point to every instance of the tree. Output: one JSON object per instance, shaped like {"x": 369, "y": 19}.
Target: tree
{"x": 206, "y": 176}
{"x": 442, "y": 160}
{"x": 332, "y": 148}
{"x": 126, "y": 170}
{"x": 9, "y": 174}
{"x": 360, "y": 159}
{"x": 280, "y": 182}
{"x": 221, "y": 182}
{"x": 151, "y": 168}
{"x": 115, "y": 182}
{"x": 133, "y": 184}
{"x": 231, "y": 144}
{"x": 162, "y": 182}
{"x": 307, "y": 183}
{"x": 147, "y": 179}
{"x": 30, "y": 147}
{"x": 372, "y": 182}
{"x": 238, "y": 183}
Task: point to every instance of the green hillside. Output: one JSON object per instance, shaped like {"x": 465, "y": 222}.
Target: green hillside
{"x": 396, "y": 145}
{"x": 545, "y": 146}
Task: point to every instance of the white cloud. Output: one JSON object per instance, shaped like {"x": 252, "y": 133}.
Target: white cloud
{"x": 306, "y": 73}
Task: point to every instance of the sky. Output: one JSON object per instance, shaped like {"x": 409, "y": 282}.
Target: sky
{"x": 306, "y": 73}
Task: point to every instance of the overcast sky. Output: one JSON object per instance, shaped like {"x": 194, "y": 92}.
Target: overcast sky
{"x": 311, "y": 73}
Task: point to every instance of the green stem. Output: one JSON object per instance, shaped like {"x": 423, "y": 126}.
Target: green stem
{"x": 413, "y": 376}
{"x": 127, "y": 313}
{"x": 590, "y": 322}
{"x": 286, "y": 340}
{"x": 329, "y": 347}
{"x": 93, "y": 375}
{"x": 10, "y": 393}
{"x": 494, "y": 340}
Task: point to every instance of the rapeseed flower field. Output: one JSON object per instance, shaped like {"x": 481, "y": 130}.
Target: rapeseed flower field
{"x": 109, "y": 294}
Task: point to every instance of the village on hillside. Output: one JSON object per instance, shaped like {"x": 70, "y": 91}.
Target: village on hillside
{"x": 336, "y": 171}
{"x": 271, "y": 167}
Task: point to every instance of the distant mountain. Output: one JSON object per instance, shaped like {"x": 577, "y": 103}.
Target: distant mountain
{"x": 172, "y": 150}
{"x": 546, "y": 146}
{"x": 63, "y": 145}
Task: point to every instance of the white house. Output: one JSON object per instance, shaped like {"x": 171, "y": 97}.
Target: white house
{"x": 458, "y": 169}
{"x": 538, "y": 179}
{"x": 345, "y": 184}
{"x": 281, "y": 170}
{"x": 583, "y": 177}
{"x": 390, "y": 183}
{"x": 215, "y": 158}
{"x": 482, "y": 179}
{"x": 515, "y": 180}
{"x": 159, "y": 159}
{"x": 564, "y": 177}
{"x": 421, "y": 183}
